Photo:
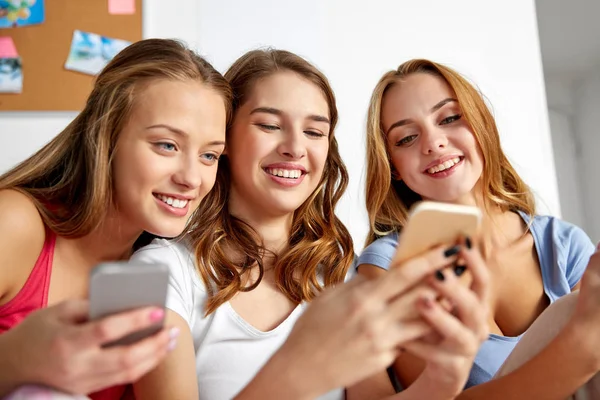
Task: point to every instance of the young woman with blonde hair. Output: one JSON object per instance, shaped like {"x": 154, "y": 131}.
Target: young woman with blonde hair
{"x": 266, "y": 243}
{"x": 431, "y": 136}
{"x": 91, "y": 195}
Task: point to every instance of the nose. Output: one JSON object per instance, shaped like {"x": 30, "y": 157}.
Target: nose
{"x": 292, "y": 144}
{"x": 189, "y": 173}
{"x": 435, "y": 139}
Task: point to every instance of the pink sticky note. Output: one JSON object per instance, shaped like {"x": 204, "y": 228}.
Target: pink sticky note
{"x": 7, "y": 48}
{"x": 121, "y": 7}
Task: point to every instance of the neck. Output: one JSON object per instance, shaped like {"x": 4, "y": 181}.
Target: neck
{"x": 112, "y": 240}
{"x": 273, "y": 229}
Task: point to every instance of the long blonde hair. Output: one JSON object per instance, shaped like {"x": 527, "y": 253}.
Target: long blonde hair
{"x": 318, "y": 244}
{"x": 388, "y": 200}
{"x": 70, "y": 178}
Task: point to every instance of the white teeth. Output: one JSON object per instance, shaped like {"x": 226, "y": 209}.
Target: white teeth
{"x": 443, "y": 166}
{"x": 176, "y": 203}
{"x": 285, "y": 173}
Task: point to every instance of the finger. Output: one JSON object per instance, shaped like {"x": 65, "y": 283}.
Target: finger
{"x": 455, "y": 334}
{"x": 401, "y": 333}
{"x": 466, "y": 305}
{"x": 401, "y": 277}
{"x": 429, "y": 352}
{"x": 481, "y": 279}
{"x": 116, "y": 326}
{"x": 404, "y": 307}
{"x": 122, "y": 361}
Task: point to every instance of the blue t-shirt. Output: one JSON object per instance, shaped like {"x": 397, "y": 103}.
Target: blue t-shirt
{"x": 563, "y": 251}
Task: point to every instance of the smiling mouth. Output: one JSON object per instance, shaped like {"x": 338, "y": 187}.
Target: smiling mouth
{"x": 173, "y": 202}
{"x": 285, "y": 173}
{"x": 444, "y": 166}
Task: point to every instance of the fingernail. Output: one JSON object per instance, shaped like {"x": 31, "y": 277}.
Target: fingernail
{"x": 174, "y": 332}
{"x": 468, "y": 242}
{"x": 157, "y": 315}
{"x": 452, "y": 251}
{"x": 439, "y": 275}
{"x": 459, "y": 269}
{"x": 427, "y": 302}
{"x": 172, "y": 345}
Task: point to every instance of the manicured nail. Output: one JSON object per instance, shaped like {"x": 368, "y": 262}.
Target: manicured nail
{"x": 157, "y": 315}
{"x": 173, "y": 332}
{"x": 427, "y": 302}
{"x": 452, "y": 251}
{"x": 439, "y": 275}
{"x": 459, "y": 269}
{"x": 468, "y": 242}
{"x": 172, "y": 345}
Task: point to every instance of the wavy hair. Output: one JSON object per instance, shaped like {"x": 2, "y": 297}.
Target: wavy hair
{"x": 70, "y": 178}
{"x": 319, "y": 244}
{"x": 389, "y": 200}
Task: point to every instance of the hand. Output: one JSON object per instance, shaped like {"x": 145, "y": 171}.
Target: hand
{"x": 56, "y": 347}
{"x": 460, "y": 333}
{"x": 354, "y": 330}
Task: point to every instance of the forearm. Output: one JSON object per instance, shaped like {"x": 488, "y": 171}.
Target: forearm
{"x": 555, "y": 372}
{"x": 11, "y": 372}
{"x": 280, "y": 378}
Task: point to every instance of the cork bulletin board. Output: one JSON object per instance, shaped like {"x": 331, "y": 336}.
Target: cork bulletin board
{"x": 44, "y": 49}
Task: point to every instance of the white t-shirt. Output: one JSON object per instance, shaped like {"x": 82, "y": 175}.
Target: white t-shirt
{"x": 229, "y": 351}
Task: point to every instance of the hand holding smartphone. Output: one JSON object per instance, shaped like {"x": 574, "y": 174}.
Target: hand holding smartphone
{"x": 120, "y": 286}
{"x": 432, "y": 224}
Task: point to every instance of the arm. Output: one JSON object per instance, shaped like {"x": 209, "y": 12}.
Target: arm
{"x": 55, "y": 346}
{"x": 544, "y": 376}
{"x": 175, "y": 377}
{"x": 22, "y": 237}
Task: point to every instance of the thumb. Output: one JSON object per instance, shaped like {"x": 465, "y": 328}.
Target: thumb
{"x": 73, "y": 310}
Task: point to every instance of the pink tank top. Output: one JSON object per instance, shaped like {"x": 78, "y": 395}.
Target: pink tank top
{"x": 34, "y": 295}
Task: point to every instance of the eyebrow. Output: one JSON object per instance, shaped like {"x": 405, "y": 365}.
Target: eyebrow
{"x": 275, "y": 111}
{"x": 433, "y": 109}
{"x": 184, "y": 134}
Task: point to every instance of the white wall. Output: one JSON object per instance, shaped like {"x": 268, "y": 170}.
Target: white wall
{"x": 586, "y": 103}
{"x": 493, "y": 43}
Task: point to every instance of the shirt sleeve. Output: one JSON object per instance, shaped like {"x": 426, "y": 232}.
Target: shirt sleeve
{"x": 380, "y": 252}
{"x": 180, "y": 291}
{"x": 579, "y": 250}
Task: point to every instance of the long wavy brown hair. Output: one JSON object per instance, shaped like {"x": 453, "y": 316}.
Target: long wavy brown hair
{"x": 319, "y": 244}
{"x": 70, "y": 178}
{"x": 389, "y": 200}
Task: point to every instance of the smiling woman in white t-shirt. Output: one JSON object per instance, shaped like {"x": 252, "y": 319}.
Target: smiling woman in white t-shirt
{"x": 266, "y": 241}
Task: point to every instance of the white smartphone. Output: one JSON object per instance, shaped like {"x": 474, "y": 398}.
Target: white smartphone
{"x": 433, "y": 223}
{"x": 121, "y": 286}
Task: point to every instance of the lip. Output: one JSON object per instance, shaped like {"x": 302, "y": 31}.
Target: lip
{"x": 179, "y": 212}
{"x": 175, "y": 196}
{"x": 442, "y": 160}
{"x": 286, "y": 165}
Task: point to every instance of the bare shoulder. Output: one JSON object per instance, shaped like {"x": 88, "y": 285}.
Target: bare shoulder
{"x": 22, "y": 236}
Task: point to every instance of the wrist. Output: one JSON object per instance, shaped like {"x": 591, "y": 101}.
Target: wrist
{"x": 433, "y": 384}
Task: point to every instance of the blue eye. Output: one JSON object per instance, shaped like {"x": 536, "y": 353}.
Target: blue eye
{"x": 166, "y": 146}
{"x": 211, "y": 157}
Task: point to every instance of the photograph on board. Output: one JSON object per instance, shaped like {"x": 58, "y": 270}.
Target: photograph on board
{"x": 16, "y": 13}
{"x": 91, "y": 52}
{"x": 11, "y": 75}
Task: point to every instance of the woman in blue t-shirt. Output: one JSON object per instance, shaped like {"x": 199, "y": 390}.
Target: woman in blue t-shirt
{"x": 431, "y": 136}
